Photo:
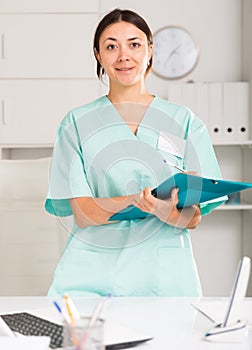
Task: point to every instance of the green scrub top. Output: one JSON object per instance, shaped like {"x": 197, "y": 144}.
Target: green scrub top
{"x": 97, "y": 155}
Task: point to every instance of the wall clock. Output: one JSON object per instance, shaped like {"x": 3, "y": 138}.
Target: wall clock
{"x": 175, "y": 53}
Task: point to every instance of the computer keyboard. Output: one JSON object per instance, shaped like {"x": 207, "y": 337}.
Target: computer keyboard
{"x": 28, "y": 324}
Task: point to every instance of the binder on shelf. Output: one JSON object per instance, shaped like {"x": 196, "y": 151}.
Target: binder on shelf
{"x": 202, "y": 102}
{"x": 192, "y": 190}
{"x": 223, "y": 107}
{"x": 192, "y": 95}
{"x": 242, "y": 107}
{"x": 236, "y": 111}
{"x": 215, "y": 112}
{"x": 175, "y": 93}
{"x": 229, "y": 111}
{"x": 188, "y": 96}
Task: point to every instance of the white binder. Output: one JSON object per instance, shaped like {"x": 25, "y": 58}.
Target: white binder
{"x": 242, "y": 122}
{"x": 223, "y": 107}
{"x": 188, "y": 96}
{"x": 202, "y": 102}
{"x": 175, "y": 93}
{"x": 235, "y": 119}
{"x": 215, "y": 112}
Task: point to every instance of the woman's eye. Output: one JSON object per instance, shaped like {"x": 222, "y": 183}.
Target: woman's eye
{"x": 111, "y": 47}
{"x": 135, "y": 44}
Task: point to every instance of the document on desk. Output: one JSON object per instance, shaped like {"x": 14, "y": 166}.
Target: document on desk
{"x": 118, "y": 336}
{"x": 192, "y": 190}
{"x": 24, "y": 343}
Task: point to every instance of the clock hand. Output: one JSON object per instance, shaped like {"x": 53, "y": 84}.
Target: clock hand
{"x": 172, "y": 53}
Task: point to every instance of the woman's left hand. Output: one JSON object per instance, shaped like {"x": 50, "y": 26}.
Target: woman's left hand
{"x": 167, "y": 211}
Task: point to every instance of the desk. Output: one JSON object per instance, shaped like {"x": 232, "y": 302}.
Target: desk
{"x": 175, "y": 324}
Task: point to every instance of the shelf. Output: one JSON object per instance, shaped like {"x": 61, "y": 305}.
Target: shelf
{"x": 28, "y": 145}
{"x": 234, "y": 143}
{"x": 235, "y": 207}
{"x": 26, "y": 151}
{"x": 21, "y": 206}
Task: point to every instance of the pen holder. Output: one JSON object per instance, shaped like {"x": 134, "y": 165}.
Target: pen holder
{"x": 234, "y": 333}
{"x": 79, "y": 335}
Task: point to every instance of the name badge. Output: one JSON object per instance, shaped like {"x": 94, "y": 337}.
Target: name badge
{"x": 171, "y": 144}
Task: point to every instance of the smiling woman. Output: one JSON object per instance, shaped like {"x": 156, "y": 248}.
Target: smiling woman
{"x": 109, "y": 154}
{"x": 124, "y": 54}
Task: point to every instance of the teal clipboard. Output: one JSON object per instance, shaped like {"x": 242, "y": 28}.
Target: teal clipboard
{"x": 192, "y": 190}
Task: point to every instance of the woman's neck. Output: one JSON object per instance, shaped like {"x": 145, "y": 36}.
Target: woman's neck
{"x": 129, "y": 94}
{"x": 131, "y": 104}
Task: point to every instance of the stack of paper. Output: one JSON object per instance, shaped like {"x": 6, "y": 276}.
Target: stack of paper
{"x": 24, "y": 343}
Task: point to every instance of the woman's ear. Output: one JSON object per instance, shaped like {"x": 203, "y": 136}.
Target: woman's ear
{"x": 150, "y": 52}
{"x": 97, "y": 55}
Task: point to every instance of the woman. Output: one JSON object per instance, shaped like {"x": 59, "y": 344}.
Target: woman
{"x": 109, "y": 154}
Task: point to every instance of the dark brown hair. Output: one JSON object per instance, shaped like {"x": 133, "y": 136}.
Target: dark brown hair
{"x": 115, "y": 16}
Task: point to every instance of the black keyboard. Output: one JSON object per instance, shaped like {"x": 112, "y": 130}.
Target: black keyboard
{"x": 28, "y": 324}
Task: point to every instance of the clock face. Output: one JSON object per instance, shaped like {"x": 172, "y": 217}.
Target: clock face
{"x": 175, "y": 53}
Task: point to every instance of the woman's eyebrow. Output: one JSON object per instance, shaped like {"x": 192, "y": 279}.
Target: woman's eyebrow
{"x": 109, "y": 38}
{"x": 135, "y": 38}
{"x": 130, "y": 39}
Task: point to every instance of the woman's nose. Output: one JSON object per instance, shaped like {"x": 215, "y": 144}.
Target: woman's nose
{"x": 123, "y": 55}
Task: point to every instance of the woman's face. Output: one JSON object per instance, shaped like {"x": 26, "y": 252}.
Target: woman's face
{"x": 124, "y": 53}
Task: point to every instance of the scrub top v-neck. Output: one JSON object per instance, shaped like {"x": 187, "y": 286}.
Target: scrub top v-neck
{"x": 97, "y": 155}
{"x": 141, "y": 120}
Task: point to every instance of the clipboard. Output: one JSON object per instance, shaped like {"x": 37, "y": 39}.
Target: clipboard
{"x": 192, "y": 190}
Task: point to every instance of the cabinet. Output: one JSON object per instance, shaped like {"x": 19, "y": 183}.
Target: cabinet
{"x": 31, "y": 242}
{"x": 46, "y": 68}
{"x": 47, "y": 46}
{"x": 48, "y": 6}
{"x": 32, "y": 109}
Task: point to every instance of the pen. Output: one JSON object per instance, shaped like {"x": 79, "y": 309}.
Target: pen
{"x": 71, "y": 309}
{"x": 98, "y": 310}
{"x": 62, "y": 312}
{"x": 203, "y": 313}
{"x": 73, "y": 315}
{"x": 174, "y": 166}
{"x": 57, "y": 306}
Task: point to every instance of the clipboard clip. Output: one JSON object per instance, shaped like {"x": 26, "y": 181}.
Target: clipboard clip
{"x": 215, "y": 182}
{"x": 154, "y": 193}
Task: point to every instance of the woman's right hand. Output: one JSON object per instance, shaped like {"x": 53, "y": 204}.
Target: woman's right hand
{"x": 167, "y": 211}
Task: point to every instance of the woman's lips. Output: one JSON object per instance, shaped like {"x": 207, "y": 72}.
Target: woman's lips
{"x": 124, "y": 69}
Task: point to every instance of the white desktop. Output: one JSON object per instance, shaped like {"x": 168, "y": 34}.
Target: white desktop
{"x": 174, "y": 323}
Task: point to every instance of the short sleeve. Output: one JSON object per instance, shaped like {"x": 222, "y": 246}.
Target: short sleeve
{"x": 67, "y": 178}
{"x": 200, "y": 156}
